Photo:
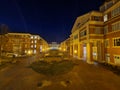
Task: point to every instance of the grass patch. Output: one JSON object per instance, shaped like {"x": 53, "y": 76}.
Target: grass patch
{"x": 53, "y": 68}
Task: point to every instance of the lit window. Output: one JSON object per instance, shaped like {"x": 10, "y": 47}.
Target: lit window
{"x": 34, "y": 51}
{"x": 35, "y": 41}
{"x": 25, "y": 51}
{"x": 35, "y": 46}
{"x": 31, "y": 37}
{"x": 35, "y": 37}
{"x": 105, "y": 18}
{"x": 31, "y": 41}
{"x": 31, "y": 46}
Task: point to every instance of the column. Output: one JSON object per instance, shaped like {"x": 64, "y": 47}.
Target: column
{"x": 89, "y": 53}
{"x": 79, "y": 51}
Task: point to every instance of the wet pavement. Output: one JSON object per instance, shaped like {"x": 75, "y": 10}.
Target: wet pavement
{"x": 83, "y": 76}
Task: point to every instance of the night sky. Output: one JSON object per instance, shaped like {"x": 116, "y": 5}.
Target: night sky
{"x": 51, "y": 19}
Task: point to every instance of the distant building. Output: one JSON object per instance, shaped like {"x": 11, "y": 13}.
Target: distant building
{"x": 38, "y": 44}
{"x": 35, "y": 44}
{"x": 22, "y": 44}
{"x": 54, "y": 45}
{"x": 65, "y": 45}
{"x": 18, "y": 43}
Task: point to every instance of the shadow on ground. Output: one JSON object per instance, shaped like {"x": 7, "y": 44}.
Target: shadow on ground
{"x": 52, "y": 68}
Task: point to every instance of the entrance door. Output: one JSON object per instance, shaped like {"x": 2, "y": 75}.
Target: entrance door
{"x": 84, "y": 51}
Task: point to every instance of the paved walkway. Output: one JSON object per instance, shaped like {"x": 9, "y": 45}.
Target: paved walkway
{"x": 82, "y": 77}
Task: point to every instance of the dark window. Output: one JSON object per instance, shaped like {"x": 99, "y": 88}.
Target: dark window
{"x": 117, "y": 42}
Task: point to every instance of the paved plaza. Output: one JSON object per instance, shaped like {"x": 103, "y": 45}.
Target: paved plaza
{"x": 83, "y": 76}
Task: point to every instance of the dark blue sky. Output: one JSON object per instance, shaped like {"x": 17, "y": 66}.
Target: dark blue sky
{"x": 51, "y": 19}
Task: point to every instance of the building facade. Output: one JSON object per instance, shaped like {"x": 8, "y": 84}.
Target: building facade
{"x": 18, "y": 43}
{"x": 35, "y": 44}
{"x": 22, "y": 44}
{"x": 95, "y": 36}
{"x": 111, "y": 18}
{"x": 87, "y": 36}
{"x": 54, "y": 45}
{"x": 65, "y": 45}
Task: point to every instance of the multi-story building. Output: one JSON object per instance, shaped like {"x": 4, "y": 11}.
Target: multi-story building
{"x": 38, "y": 44}
{"x": 54, "y": 45}
{"x": 35, "y": 44}
{"x": 18, "y": 43}
{"x": 96, "y": 35}
{"x": 22, "y": 44}
{"x": 44, "y": 45}
{"x": 65, "y": 45}
{"x": 111, "y": 18}
{"x": 87, "y": 36}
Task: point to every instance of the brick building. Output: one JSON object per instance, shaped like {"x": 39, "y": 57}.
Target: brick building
{"x": 22, "y": 44}
{"x": 95, "y": 36}
{"x": 87, "y": 36}
{"x": 38, "y": 44}
{"x": 65, "y": 45}
{"x": 18, "y": 43}
{"x": 111, "y": 18}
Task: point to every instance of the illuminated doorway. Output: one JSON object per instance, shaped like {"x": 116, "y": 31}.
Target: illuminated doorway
{"x": 84, "y": 51}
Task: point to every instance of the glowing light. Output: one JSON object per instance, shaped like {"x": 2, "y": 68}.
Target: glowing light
{"x": 75, "y": 51}
{"x": 35, "y": 41}
{"x": 59, "y": 48}
{"x": 35, "y": 37}
{"x": 29, "y": 52}
{"x": 43, "y": 49}
{"x": 31, "y": 46}
{"x": 31, "y": 37}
